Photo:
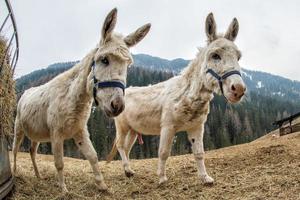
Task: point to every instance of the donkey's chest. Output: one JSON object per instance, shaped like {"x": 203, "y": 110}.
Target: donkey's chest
{"x": 188, "y": 114}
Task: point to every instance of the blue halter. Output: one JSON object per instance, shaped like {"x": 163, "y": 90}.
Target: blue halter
{"x": 105, "y": 84}
{"x": 223, "y": 77}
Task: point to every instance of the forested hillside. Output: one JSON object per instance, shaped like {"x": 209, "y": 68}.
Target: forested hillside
{"x": 227, "y": 124}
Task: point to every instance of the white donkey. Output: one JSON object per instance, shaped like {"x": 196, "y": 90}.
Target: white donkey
{"x": 182, "y": 102}
{"x": 59, "y": 109}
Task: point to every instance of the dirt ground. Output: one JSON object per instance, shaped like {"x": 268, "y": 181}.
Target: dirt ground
{"x": 268, "y": 168}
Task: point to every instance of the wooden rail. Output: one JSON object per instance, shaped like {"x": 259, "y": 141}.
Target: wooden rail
{"x": 286, "y": 126}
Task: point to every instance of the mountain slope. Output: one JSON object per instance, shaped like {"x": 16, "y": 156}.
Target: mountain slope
{"x": 260, "y": 82}
{"x": 267, "y": 168}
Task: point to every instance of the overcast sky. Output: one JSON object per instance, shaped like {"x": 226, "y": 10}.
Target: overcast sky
{"x": 65, "y": 30}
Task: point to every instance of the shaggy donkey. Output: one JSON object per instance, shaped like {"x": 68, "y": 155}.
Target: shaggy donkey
{"x": 182, "y": 102}
{"x": 59, "y": 109}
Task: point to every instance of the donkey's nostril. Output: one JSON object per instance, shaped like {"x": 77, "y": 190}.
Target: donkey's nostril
{"x": 114, "y": 106}
{"x": 232, "y": 87}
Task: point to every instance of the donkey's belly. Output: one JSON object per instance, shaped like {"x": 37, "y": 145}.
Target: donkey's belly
{"x": 146, "y": 130}
{"x": 36, "y": 130}
{"x": 35, "y": 133}
{"x": 38, "y": 136}
{"x": 146, "y": 124}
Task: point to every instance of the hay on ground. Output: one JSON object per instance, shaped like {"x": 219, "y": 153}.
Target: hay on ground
{"x": 262, "y": 169}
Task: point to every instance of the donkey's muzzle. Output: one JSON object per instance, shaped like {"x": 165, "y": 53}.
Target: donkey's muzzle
{"x": 117, "y": 105}
{"x": 238, "y": 90}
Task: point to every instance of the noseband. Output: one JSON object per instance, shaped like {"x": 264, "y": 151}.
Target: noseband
{"x": 223, "y": 77}
{"x": 104, "y": 84}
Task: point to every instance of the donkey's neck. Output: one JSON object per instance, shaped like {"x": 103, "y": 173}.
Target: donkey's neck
{"x": 192, "y": 76}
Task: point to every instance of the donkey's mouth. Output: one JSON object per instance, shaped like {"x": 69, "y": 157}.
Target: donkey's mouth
{"x": 109, "y": 113}
{"x": 233, "y": 99}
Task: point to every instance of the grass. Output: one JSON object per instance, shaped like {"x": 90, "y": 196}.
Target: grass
{"x": 268, "y": 168}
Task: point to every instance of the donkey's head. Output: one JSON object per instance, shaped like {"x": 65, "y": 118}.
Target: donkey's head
{"x": 221, "y": 56}
{"x": 110, "y": 65}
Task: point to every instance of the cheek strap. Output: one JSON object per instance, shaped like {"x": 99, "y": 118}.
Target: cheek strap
{"x": 223, "y": 77}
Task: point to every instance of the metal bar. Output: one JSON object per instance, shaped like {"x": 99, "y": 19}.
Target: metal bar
{"x": 14, "y": 65}
{"x": 13, "y": 58}
{"x": 10, "y": 41}
{"x": 5, "y": 21}
{"x": 12, "y": 17}
{"x": 15, "y": 27}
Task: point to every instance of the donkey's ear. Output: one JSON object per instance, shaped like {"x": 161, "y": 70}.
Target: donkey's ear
{"x": 210, "y": 27}
{"x": 135, "y": 37}
{"x": 232, "y": 30}
{"x": 109, "y": 24}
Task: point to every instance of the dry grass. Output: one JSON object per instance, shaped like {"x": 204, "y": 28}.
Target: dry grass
{"x": 268, "y": 168}
{"x": 7, "y": 93}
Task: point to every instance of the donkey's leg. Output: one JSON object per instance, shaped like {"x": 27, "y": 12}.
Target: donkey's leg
{"x": 129, "y": 141}
{"x": 33, "y": 151}
{"x": 120, "y": 143}
{"x": 165, "y": 144}
{"x": 84, "y": 144}
{"x": 196, "y": 139}
{"x": 58, "y": 152}
{"x": 19, "y": 136}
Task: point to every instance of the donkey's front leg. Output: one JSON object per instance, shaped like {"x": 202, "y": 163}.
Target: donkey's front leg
{"x": 84, "y": 144}
{"x": 165, "y": 144}
{"x": 196, "y": 139}
{"x": 58, "y": 152}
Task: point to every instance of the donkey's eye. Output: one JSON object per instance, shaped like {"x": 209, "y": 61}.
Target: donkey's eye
{"x": 216, "y": 56}
{"x": 104, "y": 61}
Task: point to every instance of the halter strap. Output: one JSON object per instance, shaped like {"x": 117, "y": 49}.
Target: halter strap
{"x": 223, "y": 77}
{"x": 105, "y": 84}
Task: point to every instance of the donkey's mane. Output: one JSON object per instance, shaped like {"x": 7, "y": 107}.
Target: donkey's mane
{"x": 80, "y": 69}
{"x": 189, "y": 69}
{"x": 192, "y": 72}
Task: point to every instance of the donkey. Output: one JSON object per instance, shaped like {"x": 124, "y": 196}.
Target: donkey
{"x": 182, "y": 102}
{"x": 59, "y": 109}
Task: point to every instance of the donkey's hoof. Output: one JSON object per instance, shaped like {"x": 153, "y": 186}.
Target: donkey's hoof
{"x": 129, "y": 173}
{"x": 64, "y": 189}
{"x": 162, "y": 180}
{"x": 102, "y": 186}
{"x": 207, "y": 180}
